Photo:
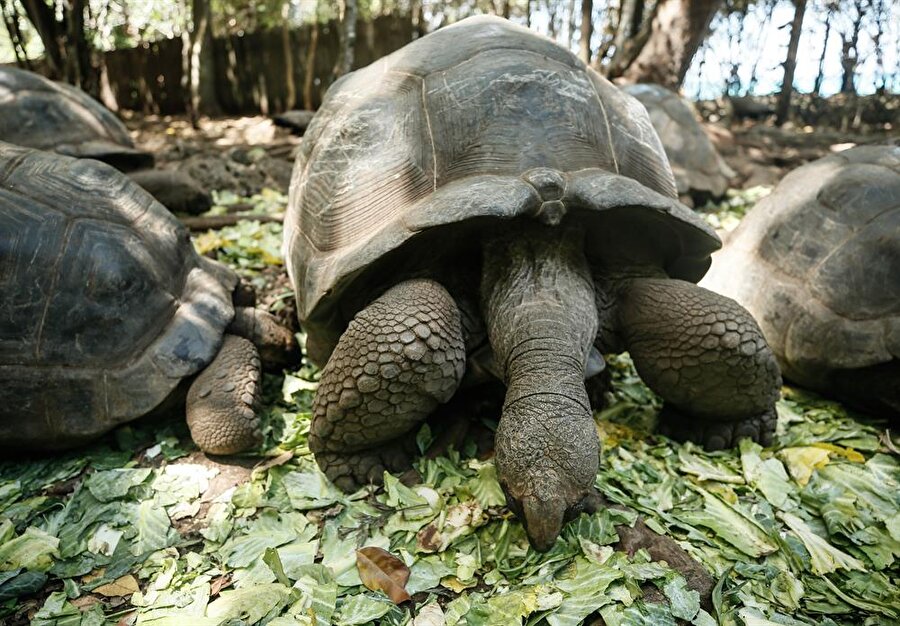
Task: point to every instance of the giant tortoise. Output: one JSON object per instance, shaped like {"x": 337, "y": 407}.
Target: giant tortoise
{"x": 700, "y": 172}
{"x": 38, "y": 113}
{"x": 106, "y": 308}
{"x": 818, "y": 263}
{"x": 480, "y": 202}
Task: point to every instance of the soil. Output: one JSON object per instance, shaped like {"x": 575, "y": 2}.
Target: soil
{"x": 245, "y": 154}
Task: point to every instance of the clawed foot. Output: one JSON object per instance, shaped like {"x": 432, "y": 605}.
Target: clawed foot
{"x": 351, "y": 470}
{"x": 717, "y": 434}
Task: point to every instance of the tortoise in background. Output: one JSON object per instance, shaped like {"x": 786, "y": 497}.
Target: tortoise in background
{"x": 700, "y": 172}
{"x": 38, "y": 113}
{"x": 106, "y": 308}
{"x": 481, "y": 203}
{"x": 817, "y": 262}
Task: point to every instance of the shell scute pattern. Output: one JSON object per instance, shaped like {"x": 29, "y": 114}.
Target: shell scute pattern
{"x": 106, "y": 304}
{"x": 448, "y": 130}
{"x": 39, "y": 113}
{"x": 817, "y": 263}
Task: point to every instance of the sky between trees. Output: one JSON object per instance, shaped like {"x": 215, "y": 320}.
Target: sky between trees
{"x": 746, "y": 44}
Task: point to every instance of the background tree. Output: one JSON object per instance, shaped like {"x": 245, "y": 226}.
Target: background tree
{"x": 677, "y": 29}
{"x": 67, "y": 51}
{"x": 852, "y": 19}
{"x": 829, "y": 7}
{"x": 199, "y": 63}
{"x": 587, "y": 30}
{"x": 790, "y": 64}
{"x": 348, "y": 37}
{"x": 14, "y": 31}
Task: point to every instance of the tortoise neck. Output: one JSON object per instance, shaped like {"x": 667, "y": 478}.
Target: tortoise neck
{"x": 539, "y": 308}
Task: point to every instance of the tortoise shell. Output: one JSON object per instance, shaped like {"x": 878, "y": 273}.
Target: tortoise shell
{"x": 106, "y": 306}
{"x": 817, "y": 263}
{"x": 482, "y": 120}
{"x": 38, "y": 113}
{"x": 697, "y": 165}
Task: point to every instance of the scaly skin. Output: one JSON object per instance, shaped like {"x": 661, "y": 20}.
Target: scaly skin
{"x": 222, "y": 401}
{"x": 543, "y": 312}
{"x": 706, "y": 356}
{"x": 399, "y": 358}
{"x": 538, "y": 304}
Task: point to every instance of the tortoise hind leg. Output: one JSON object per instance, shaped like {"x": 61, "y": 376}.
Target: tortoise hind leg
{"x": 706, "y": 356}
{"x": 222, "y": 401}
{"x": 398, "y": 359}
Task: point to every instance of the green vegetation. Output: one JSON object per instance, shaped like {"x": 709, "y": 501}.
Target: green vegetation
{"x": 141, "y": 528}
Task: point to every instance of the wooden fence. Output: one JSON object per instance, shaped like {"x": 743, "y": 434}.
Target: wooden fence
{"x": 251, "y": 71}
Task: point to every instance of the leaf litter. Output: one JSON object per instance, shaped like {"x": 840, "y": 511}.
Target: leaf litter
{"x": 139, "y": 528}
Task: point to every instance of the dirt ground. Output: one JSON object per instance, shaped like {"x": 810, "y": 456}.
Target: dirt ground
{"x": 246, "y": 154}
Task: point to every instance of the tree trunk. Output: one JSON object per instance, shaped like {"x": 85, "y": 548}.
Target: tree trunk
{"x": 880, "y": 18}
{"x": 850, "y": 51}
{"x": 570, "y": 25}
{"x": 587, "y": 29}
{"x": 417, "y": 13}
{"x": 627, "y": 26}
{"x": 309, "y": 74}
{"x": 505, "y": 8}
{"x": 14, "y": 29}
{"x": 790, "y": 64}
{"x": 528, "y": 13}
{"x": 348, "y": 38}
{"x": 79, "y": 70}
{"x": 44, "y": 20}
{"x": 290, "y": 100}
{"x": 676, "y": 32}
{"x": 820, "y": 74}
{"x": 201, "y": 64}
{"x": 552, "y": 7}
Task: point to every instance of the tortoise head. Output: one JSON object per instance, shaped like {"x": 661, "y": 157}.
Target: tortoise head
{"x": 546, "y": 465}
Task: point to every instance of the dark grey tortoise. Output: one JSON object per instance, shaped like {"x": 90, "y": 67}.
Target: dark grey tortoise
{"x": 700, "y": 172}
{"x": 818, "y": 263}
{"x": 107, "y": 308}
{"x": 38, "y": 113}
{"x": 480, "y": 203}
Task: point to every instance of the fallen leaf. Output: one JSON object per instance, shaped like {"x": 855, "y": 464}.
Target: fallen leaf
{"x": 456, "y": 585}
{"x": 281, "y": 459}
{"x": 85, "y": 602}
{"x": 848, "y": 453}
{"x": 93, "y": 575}
{"x": 429, "y": 539}
{"x": 218, "y": 584}
{"x": 128, "y": 619}
{"x": 380, "y": 570}
{"x": 430, "y": 615}
{"x": 124, "y": 586}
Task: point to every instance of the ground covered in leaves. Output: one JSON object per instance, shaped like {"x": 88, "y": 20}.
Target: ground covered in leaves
{"x": 141, "y": 528}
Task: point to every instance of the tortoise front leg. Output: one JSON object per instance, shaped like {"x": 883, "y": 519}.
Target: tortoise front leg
{"x": 222, "y": 401}
{"x": 706, "y": 356}
{"x": 276, "y": 343}
{"x": 399, "y": 358}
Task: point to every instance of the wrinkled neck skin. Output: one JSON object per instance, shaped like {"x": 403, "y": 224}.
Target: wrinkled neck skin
{"x": 538, "y": 301}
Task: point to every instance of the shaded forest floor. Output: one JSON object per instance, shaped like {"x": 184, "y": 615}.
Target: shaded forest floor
{"x": 141, "y": 528}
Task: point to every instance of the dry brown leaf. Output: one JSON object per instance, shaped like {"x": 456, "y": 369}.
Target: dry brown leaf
{"x": 85, "y": 602}
{"x": 380, "y": 570}
{"x": 281, "y": 459}
{"x": 128, "y": 619}
{"x": 93, "y": 575}
{"x": 124, "y": 586}
{"x": 218, "y": 584}
{"x": 428, "y": 539}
